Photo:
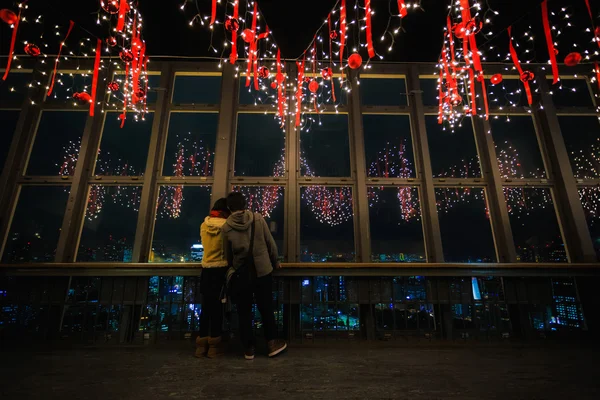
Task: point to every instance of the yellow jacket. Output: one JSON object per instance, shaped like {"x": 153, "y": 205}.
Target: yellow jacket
{"x": 210, "y": 234}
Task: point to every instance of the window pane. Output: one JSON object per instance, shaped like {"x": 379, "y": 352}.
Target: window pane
{"x": 590, "y": 200}
{"x": 571, "y": 93}
{"x": 259, "y": 134}
{"x": 325, "y": 147}
{"x": 327, "y": 224}
{"x": 465, "y": 225}
{"x": 180, "y": 211}
{"x": 534, "y": 225}
{"x": 36, "y": 225}
{"x": 249, "y": 95}
{"x": 110, "y": 223}
{"x": 197, "y": 90}
{"x": 388, "y": 146}
{"x": 124, "y": 151}
{"x": 453, "y": 154}
{"x": 582, "y": 138}
{"x": 430, "y": 90}
{"x": 191, "y": 144}
{"x": 16, "y": 87}
{"x": 151, "y": 94}
{"x": 58, "y": 136}
{"x": 268, "y": 201}
{"x": 517, "y": 149}
{"x": 66, "y": 84}
{"x": 383, "y": 92}
{"x": 8, "y": 121}
{"x": 396, "y": 228}
{"x": 507, "y": 94}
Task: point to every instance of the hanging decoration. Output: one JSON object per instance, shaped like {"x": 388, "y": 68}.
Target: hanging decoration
{"x": 573, "y": 59}
{"x": 10, "y": 18}
{"x": 32, "y": 50}
{"x": 550, "y": 42}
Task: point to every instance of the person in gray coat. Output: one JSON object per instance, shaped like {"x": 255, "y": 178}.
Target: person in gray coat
{"x": 236, "y": 237}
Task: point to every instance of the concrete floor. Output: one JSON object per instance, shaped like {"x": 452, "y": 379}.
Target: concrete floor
{"x": 370, "y": 371}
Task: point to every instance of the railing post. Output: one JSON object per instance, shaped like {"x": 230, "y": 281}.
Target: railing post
{"x": 431, "y": 223}
{"x": 292, "y": 191}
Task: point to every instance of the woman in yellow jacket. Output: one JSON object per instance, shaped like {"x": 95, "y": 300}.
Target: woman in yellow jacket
{"x": 214, "y": 269}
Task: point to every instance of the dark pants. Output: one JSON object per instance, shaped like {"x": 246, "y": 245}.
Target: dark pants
{"x": 211, "y": 317}
{"x": 261, "y": 290}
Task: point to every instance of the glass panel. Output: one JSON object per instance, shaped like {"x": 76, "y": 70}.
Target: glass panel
{"x": 36, "y": 224}
{"x": 259, "y": 134}
{"x": 590, "y": 200}
{"x": 197, "y": 90}
{"x": 327, "y": 224}
{"x": 249, "y": 95}
{"x": 110, "y": 223}
{"x": 57, "y": 143}
{"x": 268, "y": 201}
{"x": 430, "y": 90}
{"x": 453, "y": 154}
{"x": 582, "y": 138}
{"x": 517, "y": 149}
{"x": 66, "y": 85}
{"x": 16, "y": 87}
{"x": 180, "y": 211}
{"x": 325, "y": 147}
{"x": 383, "y": 92}
{"x": 151, "y": 94}
{"x": 191, "y": 144}
{"x": 388, "y": 146}
{"x": 396, "y": 228}
{"x": 507, "y": 94}
{"x": 571, "y": 93}
{"x": 8, "y": 121}
{"x": 465, "y": 225}
{"x": 124, "y": 151}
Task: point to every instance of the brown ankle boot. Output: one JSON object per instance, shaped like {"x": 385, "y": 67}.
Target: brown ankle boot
{"x": 216, "y": 347}
{"x": 201, "y": 346}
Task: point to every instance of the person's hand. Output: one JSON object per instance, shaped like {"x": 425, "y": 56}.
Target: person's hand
{"x": 278, "y": 265}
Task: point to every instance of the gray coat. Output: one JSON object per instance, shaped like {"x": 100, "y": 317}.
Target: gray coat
{"x": 236, "y": 237}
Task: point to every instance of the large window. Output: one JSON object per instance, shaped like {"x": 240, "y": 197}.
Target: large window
{"x": 325, "y": 147}
{"x": 180, "y": 211}
{"x": 465, "y": 225}
{"x": 8, "y": 121}
{"x": 16, "y": 87}
{"x": 582, "y": 138}
{"x": 67, "y": 85}
{"x": 388, "y": 146}
{"x": 396, "y": 227}
{"x": 124, "y": 151}
{"x": 326, "y": 224}
{"x": 590, "y": 200}
{"x": 110, "y": 224}
{"x": 191, "y": 144}
{"x": 383, "y": 92}
{"x": 191, "y": 89}
{"x": 36, "y": 224}
{"x": 571, "y": 93}
{"x": 259, "y": 146}
{"x": 57, "y": 143}
{"x": 453, "y": 153}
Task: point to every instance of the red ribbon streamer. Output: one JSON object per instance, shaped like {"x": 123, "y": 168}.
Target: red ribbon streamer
{"x": 252, "y": 43}
{"x": 299, "y": 90}
{"x": 331, "y": 59}
{"x": 472, "y": 87}
{"x": 587, "y": 4}
{"x": 402, "y": 8}
{"x": 95, "y": 78}
{"x": 342, "y": 34}
{"x": 549, "y": 41}
{"x": 475, "y": 53}
{"x": 12, "y": 47}
{"x": 279, "y": 89}
{"x": 441, "y": 98}
{"x": 71, "y": 23}
{"x": 213, "y": 14}
{"x": 123, "y": 6}
{"x": 465, "y": 11}
{"x": 370, "y": 47}
{"x": 515, "y": 59}
{"x": 597, "y": 70}
{"x": 233, "y": 55}
{"x": 125, "y": 90}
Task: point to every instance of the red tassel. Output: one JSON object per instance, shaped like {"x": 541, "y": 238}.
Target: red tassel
{"x": 370, "y": 47}
{"x": 233, "y": 55}
{"x": 331, "y": 59}
{"x": 472, "y": 87}
{"x": 515, "y": 59}
{"x": 123, "y": 8}
{"x": 465, "y": 11}
{"x": 213, "y": 14}
{"x": 402, "y": 8}
{"x": 549, "y": 41}
{"x": 71, "y": 23}
{"x": 342, "y": 34}
{"x": 11, "y": 53}
{"x": 95, "y": 78}
{"x": 251, "y": 47}
{"x": 299, "y": 90}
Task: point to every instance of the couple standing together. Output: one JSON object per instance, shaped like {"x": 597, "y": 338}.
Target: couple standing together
{"x": 240, "y": 254}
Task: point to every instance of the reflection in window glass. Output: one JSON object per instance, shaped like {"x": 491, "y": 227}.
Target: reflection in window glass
{"x": 110, "y": 223}
{"x": 383, "y": 92}
{"x": 16, "y": 87}
{"x": 453, "y": 154}
{"x": 509, "y": 93}
{"x": 57, "y": 143}
{"x": 534, "y": 225}
{"x": 197, "y": 89}
{"x": 268, "y": 201}
{"x": 8, "y": 121}
{"x": 517, "y": 149}
{"x": 571, "y": 93}
{"x": 590, "y": 200}
{"x": 430, "y": 90}
{"x": 325, "y": 147}
{"x": 259, "y": 134}
{"x": 582, "y": 138}
{"x": 396, "y": 228}
{"x": 180, "y": 211}
{"x": 388, "y": 146}
{"x": 36, "y": 224}
{"x": 327, "y": 224}
{"x": 191, "y": 144}
{"x": 465, "y": 225}
{"x": 124, "y": 151}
